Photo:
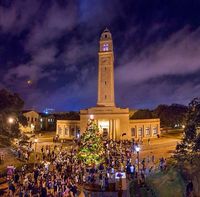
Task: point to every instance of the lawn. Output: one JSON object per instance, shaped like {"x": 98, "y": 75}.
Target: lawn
{"x": 167, "y": 184}
{"x": 4, "y": 141}
{"x": 173, "y": 133}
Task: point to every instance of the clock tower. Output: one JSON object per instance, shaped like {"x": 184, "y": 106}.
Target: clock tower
{"x": 106, "y": 96}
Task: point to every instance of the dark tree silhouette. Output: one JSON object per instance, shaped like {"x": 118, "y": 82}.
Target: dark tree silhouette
{"x": 11, "y": 105}
{"x": 190, "y": 144}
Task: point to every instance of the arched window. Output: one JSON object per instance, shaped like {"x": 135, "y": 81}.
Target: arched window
{"x": 105, "y": 47}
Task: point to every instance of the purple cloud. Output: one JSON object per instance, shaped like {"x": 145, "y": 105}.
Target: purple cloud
{"x": 178, "y": 55}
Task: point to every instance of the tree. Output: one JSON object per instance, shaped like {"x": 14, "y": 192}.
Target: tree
{"x": 10, "y": 102}
{"x": 190, "y": 143}
{"x": 142, "y": 114}
{"x": 10, "y": 106}
{"x": 91, "y": 149}
{"x": 171, "y": 116}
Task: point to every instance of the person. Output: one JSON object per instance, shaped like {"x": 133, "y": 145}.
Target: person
{"x": 132, "y": 170}
{"x": 148, "y": 141}
{"x": 43, "y": 191}
{"x": 189, "y": 189}
{"x": 16, "y": 177}
{"x": 11, "y": 188}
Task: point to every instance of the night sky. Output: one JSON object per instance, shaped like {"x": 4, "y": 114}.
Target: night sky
{"x": 48, "y": 51}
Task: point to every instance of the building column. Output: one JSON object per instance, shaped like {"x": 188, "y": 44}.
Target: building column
{"x": 110, "y": 129}
{"x": 143, "y": 134}
{"x": 150, "y": 127}
{"x": 114, "y": 129}
{"x": 136, "y": 131}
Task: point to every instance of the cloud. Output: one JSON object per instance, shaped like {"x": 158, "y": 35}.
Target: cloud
{"x": 178, "y": 55}
{"x": 18, "y": 16}
{"x": 44, "y": 30}
{"x": 61, "y": 43}
{"x": 57, "y": 21}
{"x": 73, "y": 96}
{"x": 149, "y": 94}
{"x": 34, "y": 69}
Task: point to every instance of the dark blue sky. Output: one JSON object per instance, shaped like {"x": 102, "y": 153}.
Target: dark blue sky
{"x": 48, "y": 51}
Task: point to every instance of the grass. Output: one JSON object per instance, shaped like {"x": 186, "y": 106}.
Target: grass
{"x": 4, "y": 141}
{"x": 167, "y": 184}
{"x": 174, "y": 133}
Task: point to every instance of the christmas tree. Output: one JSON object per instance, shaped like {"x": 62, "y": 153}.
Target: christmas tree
{"x": 91, "y": 145}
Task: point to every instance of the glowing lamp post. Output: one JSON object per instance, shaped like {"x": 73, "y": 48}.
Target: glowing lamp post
{"x": 91, "y": 117}
{"x": 138, "y": 158}
{"x": 10, "y": 121}
{"x": 35, "y": 141}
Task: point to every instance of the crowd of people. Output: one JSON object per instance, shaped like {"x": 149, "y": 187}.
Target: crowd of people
{"x": 58, "y": 171}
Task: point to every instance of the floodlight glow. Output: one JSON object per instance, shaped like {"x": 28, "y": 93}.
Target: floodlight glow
{"x": 10, "y": 120}
{"x": 91, "y": 117}
{"x": 35, "y": 140}
{"x": 137, "y": 148}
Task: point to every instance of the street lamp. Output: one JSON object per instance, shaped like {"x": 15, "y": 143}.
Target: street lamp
{"x": 137, "y": 148}
{"x": 35, "y": 141}
{"x": 91, "y": 117}
{"x": 10, "y": 121}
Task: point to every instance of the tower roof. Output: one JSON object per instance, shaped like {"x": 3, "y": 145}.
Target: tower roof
{"x": 106, "y": 35}
{"x": 106, "y": 30}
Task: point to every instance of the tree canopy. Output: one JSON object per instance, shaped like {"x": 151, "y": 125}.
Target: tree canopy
{"x": 170, "y": 115}
{"x": 142, "y": 114}
{"x": 190, "y": 143}
{"x": 11, "y": 106}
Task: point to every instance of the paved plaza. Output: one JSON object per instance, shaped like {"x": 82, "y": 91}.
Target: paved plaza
{"x": 119, "y": 159}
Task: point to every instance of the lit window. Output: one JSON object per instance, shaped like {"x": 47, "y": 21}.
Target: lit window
{"x": 40, "y": 119}
{"x": 140, "y": 131}
{"x": 67, "y": 131}
{"x": 105, "y": 47}
{"x": 132, "y": 131}
{"x": 147, "y": 131}
{"x": 59, "y": 130}
{"x": 155, "y": 130}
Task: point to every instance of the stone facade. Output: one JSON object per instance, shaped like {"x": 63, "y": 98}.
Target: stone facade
{"x": 113, "y": 122}
{"x": 33, "y": 120}
{"x": 68, "y": 129}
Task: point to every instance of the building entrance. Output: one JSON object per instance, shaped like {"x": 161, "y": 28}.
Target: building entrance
{"x": 104, "y": 128}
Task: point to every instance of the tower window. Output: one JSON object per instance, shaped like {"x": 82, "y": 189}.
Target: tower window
{"x": 105, "y": 96}
{"x": 105, "y": 82}
{"x": 105, "y": 47}
{"x": 105, "y": 35}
